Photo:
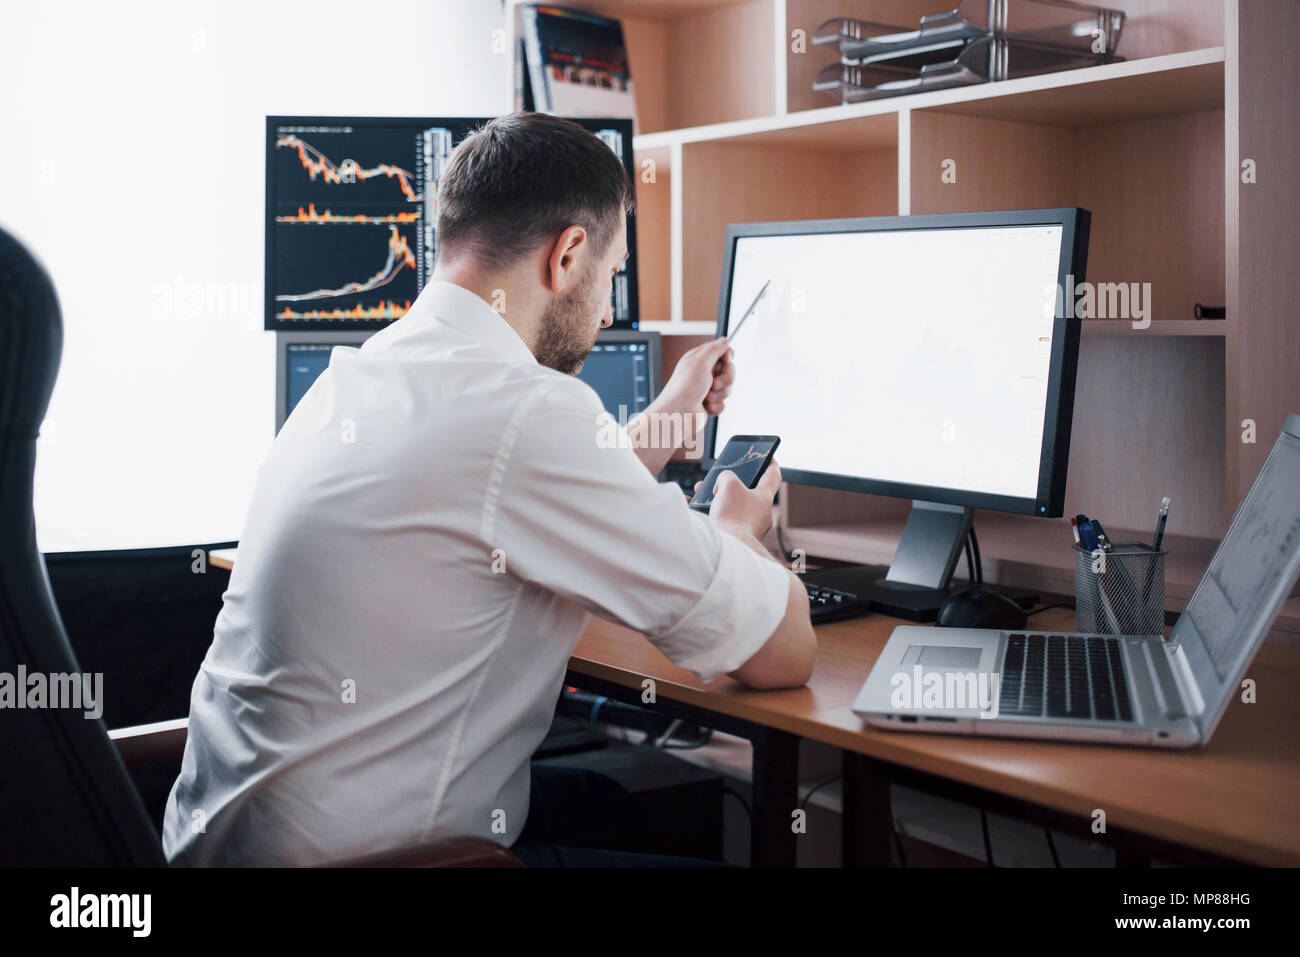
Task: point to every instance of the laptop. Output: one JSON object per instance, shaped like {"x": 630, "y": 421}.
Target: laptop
{"x": 1129, "y": 689}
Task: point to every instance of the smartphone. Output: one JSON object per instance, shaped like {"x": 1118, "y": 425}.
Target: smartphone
{"x": 746, "y": 455}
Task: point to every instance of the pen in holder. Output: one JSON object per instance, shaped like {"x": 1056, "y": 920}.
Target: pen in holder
{"x": 1120, "y": 590}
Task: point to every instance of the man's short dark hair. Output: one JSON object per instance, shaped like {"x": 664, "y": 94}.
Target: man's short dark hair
{"x": 518, "y": 180}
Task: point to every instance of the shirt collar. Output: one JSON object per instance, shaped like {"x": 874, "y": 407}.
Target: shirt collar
{"x": 464, "y": 311}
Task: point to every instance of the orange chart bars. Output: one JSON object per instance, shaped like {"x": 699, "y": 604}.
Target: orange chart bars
{"x": 382, "y": 310}
{"x": 309, "y": 215}
{"x": 317, "y": 164}
{"x": 399, "y": 257}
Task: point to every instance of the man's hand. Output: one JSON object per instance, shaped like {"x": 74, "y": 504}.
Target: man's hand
{"x": 745, "y": 511}
{"x": 702, "y": 379}
{"x": 698, "y": 388}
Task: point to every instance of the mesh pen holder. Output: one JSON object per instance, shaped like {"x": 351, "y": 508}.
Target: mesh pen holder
{"x": 1123, "y": 596}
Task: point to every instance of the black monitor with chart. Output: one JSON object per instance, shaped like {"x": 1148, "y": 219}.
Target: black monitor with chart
{"x": 300, "y": 359}
{"x": 623, "y": 368}
{"x": 351, "y": 213}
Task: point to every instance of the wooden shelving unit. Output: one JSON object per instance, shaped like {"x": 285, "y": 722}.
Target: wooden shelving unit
{"x": 730, "y": 130}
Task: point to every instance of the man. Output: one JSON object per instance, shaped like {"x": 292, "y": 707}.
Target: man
{"x": 433, "y": 524}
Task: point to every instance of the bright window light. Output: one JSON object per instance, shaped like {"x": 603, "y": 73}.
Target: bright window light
{"x": 133, "y": 165}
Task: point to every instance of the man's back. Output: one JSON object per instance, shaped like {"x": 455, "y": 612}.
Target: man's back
{"x": 364, "y": 614}
{"x": 411, "y": 581}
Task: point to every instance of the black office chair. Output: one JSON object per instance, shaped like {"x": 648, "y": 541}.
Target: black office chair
{"x": 66, "y": 799}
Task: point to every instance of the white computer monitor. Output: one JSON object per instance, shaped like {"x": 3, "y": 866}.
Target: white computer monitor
{"x": 924, "y": 357}
{"x": 914, "y": 356}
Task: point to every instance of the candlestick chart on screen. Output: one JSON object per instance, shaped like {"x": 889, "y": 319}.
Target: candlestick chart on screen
{"x": 353, "y": 216}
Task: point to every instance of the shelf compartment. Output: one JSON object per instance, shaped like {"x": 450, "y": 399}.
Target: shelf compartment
{"x": 1115, "y": 93}
{"x": 1135, "y": 178}
{"x": 1152, "y": 28}
{"x": 1161, "y": 86}
{"x": 653, "y": 182}
{"x": 695, "y": 62}
{"x": 972, "y": 43}
{"x": 778, "y": 175}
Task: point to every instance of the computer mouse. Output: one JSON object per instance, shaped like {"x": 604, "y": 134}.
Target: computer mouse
{"x": 981, "y": 608}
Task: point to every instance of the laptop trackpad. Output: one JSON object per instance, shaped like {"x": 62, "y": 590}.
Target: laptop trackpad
{"x": 936, "y": 657}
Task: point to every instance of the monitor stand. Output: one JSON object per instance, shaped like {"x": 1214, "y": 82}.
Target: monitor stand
{"x": 921, "y": 577}
{"x": 921, "y": 573}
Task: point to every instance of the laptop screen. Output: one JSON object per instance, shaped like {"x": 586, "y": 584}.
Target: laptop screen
{"x": 1252, "y": 572}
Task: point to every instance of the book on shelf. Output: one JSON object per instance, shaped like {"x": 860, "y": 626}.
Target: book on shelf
{"x": 523, "y": 82}
{"x": 577, "y": 63}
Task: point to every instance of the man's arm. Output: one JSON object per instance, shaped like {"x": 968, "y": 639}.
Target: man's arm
{"x": 786, "y": 659}
{"x": 698, "y": 388}
{"x": 586, "y": 521}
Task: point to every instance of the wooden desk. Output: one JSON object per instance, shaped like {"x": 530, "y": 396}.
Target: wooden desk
{"x": 223, "y": 558}
{"x": 1238, "y": 798}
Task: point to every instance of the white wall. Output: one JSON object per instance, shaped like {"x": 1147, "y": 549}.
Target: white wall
{"x": 132, "y": 159}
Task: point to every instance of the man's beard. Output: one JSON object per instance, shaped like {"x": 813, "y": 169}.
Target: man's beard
{"x": 565, "y": 336}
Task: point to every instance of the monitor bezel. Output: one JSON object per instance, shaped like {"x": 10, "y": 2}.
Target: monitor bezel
{"x": 272, "y": 324}
{"x": 283, "y": 340}
{"x": 1049, "y": 500}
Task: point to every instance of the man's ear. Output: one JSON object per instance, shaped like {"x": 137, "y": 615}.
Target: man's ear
{"x": 564, "y": 262}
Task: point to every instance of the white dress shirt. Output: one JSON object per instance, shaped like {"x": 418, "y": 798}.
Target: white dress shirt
{"x": 425, "y": 538}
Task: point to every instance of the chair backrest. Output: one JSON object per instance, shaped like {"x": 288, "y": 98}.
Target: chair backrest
{"x": 65, "y": 796}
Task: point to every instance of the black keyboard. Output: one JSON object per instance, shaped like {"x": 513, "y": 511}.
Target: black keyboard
{"x": 1065, "y": 676}
{"x": 830, "y": 604}
{"x": 684, "y": 475}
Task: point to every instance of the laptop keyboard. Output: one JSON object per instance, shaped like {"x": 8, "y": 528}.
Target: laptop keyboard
{"x": 1064, "y": 676}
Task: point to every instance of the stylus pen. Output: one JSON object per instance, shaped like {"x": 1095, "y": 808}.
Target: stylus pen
{"x": 1155, "y": 549}
{"x": 1160, "y": 524}
{"x": 750, "y": 311}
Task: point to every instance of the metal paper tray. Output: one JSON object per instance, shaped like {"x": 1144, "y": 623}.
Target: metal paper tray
{"x": 951, "y": 50}
{"x": 875, "y": 80}
{"x": 1070, "y": 26}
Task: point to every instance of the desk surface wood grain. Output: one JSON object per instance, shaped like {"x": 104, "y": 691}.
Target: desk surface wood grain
{"x": 1238, "y": 797}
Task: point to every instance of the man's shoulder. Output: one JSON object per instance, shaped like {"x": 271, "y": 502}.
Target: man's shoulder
{"x": 560, "y": 392}
{"x": 563, "y": 412}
